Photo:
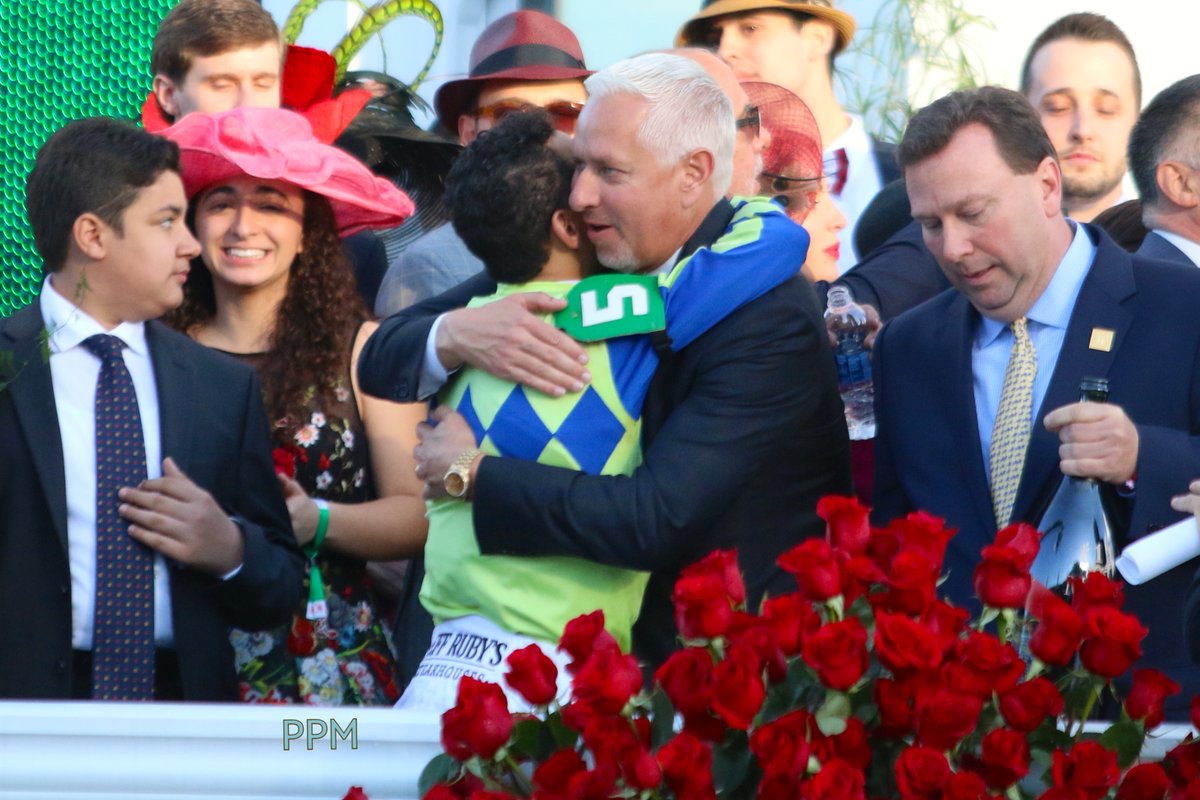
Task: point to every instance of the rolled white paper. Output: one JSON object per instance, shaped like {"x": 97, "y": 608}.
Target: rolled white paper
{"x": 1151, "y": 556}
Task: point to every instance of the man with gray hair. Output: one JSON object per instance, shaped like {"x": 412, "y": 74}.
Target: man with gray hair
{"x": 743, "y": 429}
{"x": 1164, "y": 158}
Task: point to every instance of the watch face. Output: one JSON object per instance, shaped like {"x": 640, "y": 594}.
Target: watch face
{"x": 455, "y": 485}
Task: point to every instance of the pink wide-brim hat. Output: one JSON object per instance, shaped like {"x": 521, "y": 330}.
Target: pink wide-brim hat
{"x": 277, "y": 144}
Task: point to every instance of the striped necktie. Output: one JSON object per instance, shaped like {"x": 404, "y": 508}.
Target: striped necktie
{"x": 123, "y": 637}
{"x": 1010, "y": 432}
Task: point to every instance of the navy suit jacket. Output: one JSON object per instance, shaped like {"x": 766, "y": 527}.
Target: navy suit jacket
{"x": 743, "y": 431}
{"x": 214, "y": 427}
{"x": 1155, "y": 246}
{"x": 928, "y": 455}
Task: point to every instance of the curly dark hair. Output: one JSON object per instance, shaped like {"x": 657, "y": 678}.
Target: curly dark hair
{"x": 319, "y": 316}
{"x": 502, "y": 191}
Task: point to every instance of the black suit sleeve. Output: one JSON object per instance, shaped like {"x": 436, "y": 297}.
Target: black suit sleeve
{"x": 390, "y": 363}
{"x": 896, "y": 276}
{"x": 888, "y": 499}
{"x": 266, "y": 590}
{"x": 761, "y": 393}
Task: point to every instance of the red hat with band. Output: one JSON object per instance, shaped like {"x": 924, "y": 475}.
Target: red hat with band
{"x": 521, "y": 46}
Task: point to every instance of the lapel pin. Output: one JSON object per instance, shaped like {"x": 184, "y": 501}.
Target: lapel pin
{"x": 1102, "y": 339}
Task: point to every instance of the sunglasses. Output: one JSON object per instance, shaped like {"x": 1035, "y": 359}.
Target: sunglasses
{"x": 749, "y": 119}
{"x": 563, "y": 113}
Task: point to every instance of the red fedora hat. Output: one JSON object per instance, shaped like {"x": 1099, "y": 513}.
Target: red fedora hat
{"x": 521, "y": 46}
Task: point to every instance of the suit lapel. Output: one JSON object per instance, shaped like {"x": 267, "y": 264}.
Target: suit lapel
{"x": 32, "y": 393}
{"x": 176, "y": 399}
{"x": 1109, "y": 282}
{"x": 958, "y": 398}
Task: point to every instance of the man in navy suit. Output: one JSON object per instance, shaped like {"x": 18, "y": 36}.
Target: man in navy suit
{"x": 986, "y": 188}
{"x": 1164, "y": 157}
{"x": 211, "y": 545}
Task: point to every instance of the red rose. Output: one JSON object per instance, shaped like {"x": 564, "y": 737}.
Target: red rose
{"x": 356, "y": 793}
{"x": 837, "y": 780}
{"x": 1182, "y": 762}
{"x": 738, "y": 689}
{"x": 1112, "y": 641}
{"x": 1002, "y": 578}
{"x": 302, "y": 639}
{"x": 722, "y": 564}
{"x": 612, "y": 740}
{"x": 1027, "y": 705}
{"x": 782, "y": 746}
{"x": 947, "y": 622}
{"x": 487, "y": 794}
{"x": 965, "y": 786}
{"x": 1095, "y": 590}
{"x": 984, "y": 664}
{"x": 553, "y": 775}
{"x": 852, "y": 745}
{"x": 1021, "y": 538}
{"x": 779, "y": 786}
{"x": 912, "y": 584}
{"x": 687, "y": 767}
{"x": 921, "y": 772}
{"x": 1144, "y": 782}
{"x": 904, "y": 645}
{"x": 686, "y": 678}
{"x": 597, "y": 784}
{"x": 758, "y": 634}
{"x": 1004, "y": 757}
{"x": 859, "y": 573}
{"x": 815, "y": 566}
{"x": 285, "y": 461}
{"x": 1145, "y": 700}
{"x": 1059, "y": 628}
{"x": 924, "y": 532}
{"x": 440, "y": 791}
{"x": 702, "y": 608}
{"x": 1089, "y": 767}
{"x": 606, "y": 683}
{"x": 838, "y": 653}
{"x": 582, "y": 636}
{"x": 897, "y": 707}
{"x": 883, "y": 546}
{"x": 846, "y": 523}
{"x": 533, "y": 675}
{"x": 944, "y": 718}
{"x": 792, "y": 617}
{"x": 479, "y": 724}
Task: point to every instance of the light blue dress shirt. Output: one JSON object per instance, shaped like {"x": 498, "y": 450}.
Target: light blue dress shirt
{"x": 1048, "y": 320}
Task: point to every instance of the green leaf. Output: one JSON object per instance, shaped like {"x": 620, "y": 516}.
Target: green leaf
{"x": 532, "y": 738}
{"x": 662, "y": 718}
{"x": 1124, "y": 738}
{"x": 731, "y": 765}
{"x": 562, "y": 735}
{"x": 833, "y": 713}
{"x": 441, "y": 769}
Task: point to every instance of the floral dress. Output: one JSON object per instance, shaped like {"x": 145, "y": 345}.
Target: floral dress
{"x": 343, "y": 658}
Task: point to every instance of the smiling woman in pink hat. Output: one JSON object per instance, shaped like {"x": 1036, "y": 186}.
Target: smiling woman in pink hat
{"x": 268, "y": 203}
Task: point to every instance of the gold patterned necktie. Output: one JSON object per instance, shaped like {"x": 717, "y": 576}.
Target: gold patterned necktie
{"x": 1010, "y": 432}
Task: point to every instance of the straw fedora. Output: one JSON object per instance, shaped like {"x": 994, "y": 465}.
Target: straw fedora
{"x": 693, "y": 31}
{"x": 521, "y": 46}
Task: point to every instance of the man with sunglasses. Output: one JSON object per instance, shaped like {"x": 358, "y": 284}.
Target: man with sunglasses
{"x": 793, "y": 43}
{"x": 523, "y": 60}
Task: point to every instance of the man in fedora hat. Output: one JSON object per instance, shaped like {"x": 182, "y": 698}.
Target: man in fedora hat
{"x": 523, "y": 59}
{"x": 792, "y": 43}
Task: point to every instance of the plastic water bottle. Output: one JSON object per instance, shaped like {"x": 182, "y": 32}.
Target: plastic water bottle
{"x": 848, "y": 322}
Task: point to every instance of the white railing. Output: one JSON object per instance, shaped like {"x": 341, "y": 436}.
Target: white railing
{"x": 176, "y": 751}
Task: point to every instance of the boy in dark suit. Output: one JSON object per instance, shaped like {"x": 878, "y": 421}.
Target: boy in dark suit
{"x": 141, "y": 516}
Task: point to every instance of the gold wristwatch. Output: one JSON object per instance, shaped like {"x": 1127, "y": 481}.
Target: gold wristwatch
{"x": 458, "y": 477}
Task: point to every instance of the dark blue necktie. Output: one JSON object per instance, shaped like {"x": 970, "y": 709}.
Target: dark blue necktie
{"x": 123, "y": 634}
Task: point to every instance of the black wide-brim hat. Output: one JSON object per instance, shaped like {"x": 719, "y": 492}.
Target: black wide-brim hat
{"x": 521, "y": 46}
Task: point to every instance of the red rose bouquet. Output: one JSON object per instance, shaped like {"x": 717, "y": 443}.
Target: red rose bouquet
{"x": 860, "y": 684}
